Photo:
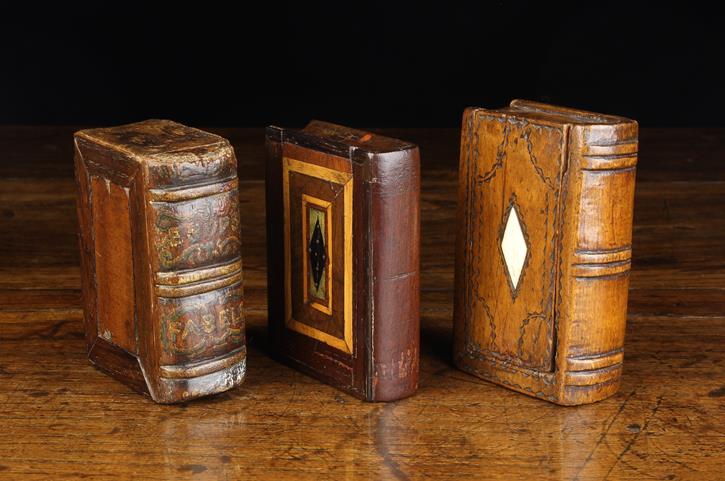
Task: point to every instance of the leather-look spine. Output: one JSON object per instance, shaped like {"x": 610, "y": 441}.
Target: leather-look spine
{"x": 394, "y": 274}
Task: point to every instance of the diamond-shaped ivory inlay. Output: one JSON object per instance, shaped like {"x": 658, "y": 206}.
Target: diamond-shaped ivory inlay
{"x": 513, "y": 246}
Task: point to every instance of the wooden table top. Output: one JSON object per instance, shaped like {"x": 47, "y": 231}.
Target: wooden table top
{"x": 60, "y": 418}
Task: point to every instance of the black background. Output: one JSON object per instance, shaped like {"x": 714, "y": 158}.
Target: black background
{"x": 363, "y": 64}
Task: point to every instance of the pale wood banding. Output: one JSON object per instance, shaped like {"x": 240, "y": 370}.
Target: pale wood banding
{"x": 345, "y": 179}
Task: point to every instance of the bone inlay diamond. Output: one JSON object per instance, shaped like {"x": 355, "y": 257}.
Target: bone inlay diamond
{"x": 513, "y": 247}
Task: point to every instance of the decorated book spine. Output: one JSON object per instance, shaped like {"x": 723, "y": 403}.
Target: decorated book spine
{"x": 597, "y": 252}
{"x": 197, "y": 285}
{"x": 161, "y": 258}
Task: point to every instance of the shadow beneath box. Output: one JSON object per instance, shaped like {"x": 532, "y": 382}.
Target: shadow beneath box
{"x": 436, "y": 352}
{"x": 257, "y": 339}
{"x": 436, "y": 343}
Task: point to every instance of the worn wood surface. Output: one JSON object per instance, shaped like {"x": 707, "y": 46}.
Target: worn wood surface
{"x": 368, "y": 343}
{"x": 161, "y": 267}
{"x": 544, "y": 249}
{"x": 63, "y": 419}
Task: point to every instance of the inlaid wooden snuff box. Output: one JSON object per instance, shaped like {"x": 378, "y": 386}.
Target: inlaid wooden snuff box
{"x": 544, "y": 249}
{"x": 343, "y": 244}
{"x": 160, "y": 258}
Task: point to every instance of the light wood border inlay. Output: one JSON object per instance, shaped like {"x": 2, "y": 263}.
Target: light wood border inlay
{"x": 345, "y": 179}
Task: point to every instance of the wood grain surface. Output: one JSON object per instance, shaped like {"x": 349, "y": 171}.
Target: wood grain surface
{"x": 544, "y": 249}
{"x": 368, "y": 344}
{"x": 159, "y": 232}
{"x": 63, "y": 419}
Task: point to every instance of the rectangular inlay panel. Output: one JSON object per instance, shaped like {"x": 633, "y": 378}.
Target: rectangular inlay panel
{"x": 318, "y": 252}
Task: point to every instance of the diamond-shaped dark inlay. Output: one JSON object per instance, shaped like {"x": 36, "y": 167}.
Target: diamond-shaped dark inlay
{"x": 318, "y": 256}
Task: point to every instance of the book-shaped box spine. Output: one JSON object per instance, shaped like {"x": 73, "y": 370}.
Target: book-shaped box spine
{"x": 544, "y": 249}
{"x": 160, "y": 258}
{"x": 343, "y": 243}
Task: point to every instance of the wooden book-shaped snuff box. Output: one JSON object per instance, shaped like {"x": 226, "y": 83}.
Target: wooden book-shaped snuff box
{"x": 544, "y": 249}
{"x": 343, "y": 242}
{"x": 160, "y": 257}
